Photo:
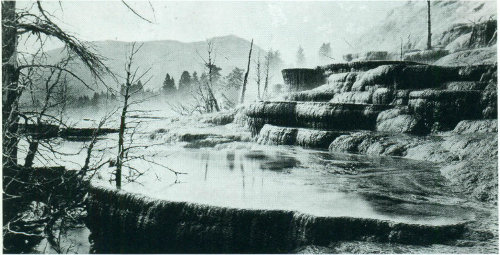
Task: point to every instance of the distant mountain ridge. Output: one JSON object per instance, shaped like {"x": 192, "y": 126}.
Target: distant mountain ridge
{"x": 406, "y": 23}
{"x": 166, "y": 56}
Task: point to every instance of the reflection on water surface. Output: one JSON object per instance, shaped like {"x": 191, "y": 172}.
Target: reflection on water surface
{"x": 307, "y": 181}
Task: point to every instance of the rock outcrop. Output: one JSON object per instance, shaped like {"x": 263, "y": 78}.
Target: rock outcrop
{"x": 412, "y": 98}
{"x": 308, "y": 138}
{"x": 393, "y": 108}
{"x": 476, "y": 126}
{"x": 314, "y": 115}
{"x": 426, "y": 56}
{"x": 467, "y": 156}
{"x": 443, "y": 109}
{"x": 298, "y": 79}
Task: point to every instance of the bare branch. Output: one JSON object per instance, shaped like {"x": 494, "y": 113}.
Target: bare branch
{"x": 137, "y": 14}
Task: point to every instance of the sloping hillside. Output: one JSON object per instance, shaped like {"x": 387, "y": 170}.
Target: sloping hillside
{"x": 167, "y": 56}
{"x": 409, "y": 24}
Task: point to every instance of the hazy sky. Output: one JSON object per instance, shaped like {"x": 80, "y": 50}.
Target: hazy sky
{"x": 280, "y": 25}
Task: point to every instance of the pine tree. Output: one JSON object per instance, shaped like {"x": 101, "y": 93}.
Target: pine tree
{"x": 184, "y": 81}
{"x": 325, "y": 53}
{"x": 95, "y": 99}
{"x": 231, "y": 86}
{"x": 168, "y": 84}
{"x": 275, "y": 60}
{"x": 134, "y": 88}
{"x": 301, "y": 59}
{"x": 235, "y": 78}
{"x": 138, "y": 87}
{"x": 215, "y": 75}
{"x": 194, "y": 78}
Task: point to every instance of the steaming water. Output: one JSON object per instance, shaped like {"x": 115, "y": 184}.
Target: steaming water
{"x": 265, "y": 177}
{"x": 283, "y": 177}
{"x": 311, "y": 182}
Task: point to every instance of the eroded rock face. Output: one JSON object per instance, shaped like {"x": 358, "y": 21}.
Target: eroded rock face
{"x": 353, "y": 97}
{"x": 401, "y": 97}
{"x": 204, "y": 131}
{"x": 382, "y": 96}
{"x": 322, "y": 93}
{"x": 336, "y": 83}
{"x": 298, "y": 79}
{"x": 465, "y": 85}
{"x": 371, "y": 143}
{"x": 426, "y": 56}
{"x": 343, "y": 81}
{"x": 437, "y": 98}
{"x": 470, "y": 57}
{"x": 315, "y": 115}
{"x": 412, "y": 76}
{"x": 360, "y": 66}
{"x": 438, "y": 149}
{"x": 273, "y": 135}
{"x": 443, "y": 109}
{"x": 476, "y": 126}
{"x": 489, "y": 100}
{"x": 308, "y": 138}
{"x": 398, "y": 100}
{"x": 398, "y": 120}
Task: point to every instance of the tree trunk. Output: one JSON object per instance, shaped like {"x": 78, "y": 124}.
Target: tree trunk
{"x": 10, "y": 79}
{"x": 212, "y": 101}
{"x": 258, "y": 78}
{"x": 429, "y": 34}
{"x": 121, "y": 133}
{"x": 401, "y": 50}
{"x": 266, "y": 81}
{"x": 244, "y": 87}
{"x": 33, "y": 148}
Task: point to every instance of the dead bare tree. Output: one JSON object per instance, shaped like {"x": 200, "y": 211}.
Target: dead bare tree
{"x": 401, "y": 49}
{"x": 210, "y": 65}
{"x": 24, "y": 186}
{"x": 244, "y": 87}
{"x": 55, "y": 199}
{"x": 258, "y": 75}
{"x": 128, "y": 129}
{"x": 136, "y": 13}
{"x": 34, "y": 21}
{"x": 39, "y": 202}
{"x": 50, "y": 112}
{"x": 205, "y": 90}
{"x": 429, "y": 33}
{"x": 267, "y": 66}
{"x": 131, "y": 78}
{"x": 202, "y": 94}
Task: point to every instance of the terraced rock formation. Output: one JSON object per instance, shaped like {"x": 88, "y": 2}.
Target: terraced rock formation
{"x": 128, "y": 223}
{"x": 401, "y": 97}
{"x": 442, "y": 115}
{"x": 399, "y": 109}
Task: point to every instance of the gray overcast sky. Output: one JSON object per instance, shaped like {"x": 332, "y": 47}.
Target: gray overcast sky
{"x": 280, "y": 25}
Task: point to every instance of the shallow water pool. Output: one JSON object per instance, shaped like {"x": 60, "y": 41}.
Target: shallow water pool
{"x": 312, "y": 182}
